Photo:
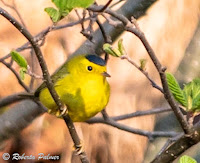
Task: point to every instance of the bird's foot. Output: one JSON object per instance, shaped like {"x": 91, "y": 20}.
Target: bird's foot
{"x": 79, "y": 148}
{"x": 64, "y": 111}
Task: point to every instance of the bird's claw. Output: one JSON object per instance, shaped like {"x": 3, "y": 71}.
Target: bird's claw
{"x": 64, "y": 111}
{"x": 79, "y": 149}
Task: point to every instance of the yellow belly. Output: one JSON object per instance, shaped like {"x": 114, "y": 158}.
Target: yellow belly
{"x": 84, "y": 98}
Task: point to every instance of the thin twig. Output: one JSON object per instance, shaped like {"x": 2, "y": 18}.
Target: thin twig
{"x": 83, "y": 18}
{"x": 130, "y": 115}
{"x": 16, "y": 75}
{"x": 88, "y": 32}
{"x": 105, "y": 6}
{"x": 116, "y": 3}
{"x": 145, "y": 73}
{"x": 106, "y": 37}
{"x": 15, "y": 9}
{"x": 150, "y": 135}
{"x": 42, "y": 34}
{"x": 32, "y": 69}
{"x": 29, "y": 72}
{"x": 114, "y": 23}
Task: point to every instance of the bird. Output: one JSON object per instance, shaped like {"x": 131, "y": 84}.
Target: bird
{"x": 82, "y": 86}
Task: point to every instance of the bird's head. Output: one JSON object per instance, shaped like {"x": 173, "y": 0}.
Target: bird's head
{"x": 87, "y": 64}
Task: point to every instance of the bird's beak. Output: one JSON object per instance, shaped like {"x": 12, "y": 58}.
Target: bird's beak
{"x": 106, "y": 74}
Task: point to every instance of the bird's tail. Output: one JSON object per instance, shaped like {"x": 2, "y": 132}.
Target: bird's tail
{"x": 16, "y": 98}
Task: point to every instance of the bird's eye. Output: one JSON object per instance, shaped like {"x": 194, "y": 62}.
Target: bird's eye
{"x": 89, "y": 68}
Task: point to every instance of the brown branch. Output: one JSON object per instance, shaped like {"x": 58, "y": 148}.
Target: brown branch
{"x": 13, "y": 7}
{"x": 111, "y": 121}
{"x": 48, "y": 82}
{"x": 150, "y": 135}
{"x": 130, "y": 115}
{"x": 128, "y": 26}
{"x": 12, "y": 99}
{"x": 12, "y": 122}
{"x": 145, "y": 73}
{"x": 42, "y": 34}
{"x": 83, "y": 18}
{"x": 176, "y": 148}
{"x": 31, "y": 84}
{"x": 105, "y": 6}
{"x": 106, "y": 37}
{"x": 116, "y": 3}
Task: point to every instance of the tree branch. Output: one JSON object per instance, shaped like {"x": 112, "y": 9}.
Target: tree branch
{"x": 13, "y": 7}
{"x": 176, "y": 148}
{"x": 48, "y": 82}
{"x": 42, "y": 34}
{"x": 105, "y": 6}
{"x": 150, "y": 135}
{"x": 143, "y": 72}
{"x": 12, "y": 122}
{"x": 128, "y": 26}
{"x": 12, "y": 99}
{"x": 130, "y": 115}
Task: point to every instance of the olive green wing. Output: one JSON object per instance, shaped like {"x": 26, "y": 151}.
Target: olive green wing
{"x": 58, "y": 75}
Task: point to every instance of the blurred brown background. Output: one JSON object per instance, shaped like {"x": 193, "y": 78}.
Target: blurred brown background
{"x": 169, "y": 25}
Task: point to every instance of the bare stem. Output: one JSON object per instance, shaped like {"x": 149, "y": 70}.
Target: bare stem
{"x": 131, "y": 115}
{"x": 106, "y": 37}
{"x": 105, "y": 6}
{"x": 150, "y": 135}
{"x": 145, "y": 73}
{"x": 13, "y": 7}
{"x": 16, "y": 75}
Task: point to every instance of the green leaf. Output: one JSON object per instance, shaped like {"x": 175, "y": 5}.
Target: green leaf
{"x": 121, "y": 47}
{"x": 22, "y": 72}
{"x": 60, "y": 4}
{"x": 192, "y": 93}
{"x": 112, "y": 51}
{"x": 53, "y": 13}
{"x": 79, "y": 3}
{"x": 143, "y": 63}
{"x": 176, "y": 90}
{"x": 19, "y": 59}
{"x": 64, "y": 5}
{"x": 66, "y": 12}
{"x": 187, "y": 159}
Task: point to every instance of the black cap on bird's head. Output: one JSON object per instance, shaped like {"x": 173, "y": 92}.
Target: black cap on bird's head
{"x": 96, "y": 59}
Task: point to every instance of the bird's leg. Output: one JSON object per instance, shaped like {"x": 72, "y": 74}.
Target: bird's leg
{"x": 63, "y": 110}
{"x": 79, "y": 148}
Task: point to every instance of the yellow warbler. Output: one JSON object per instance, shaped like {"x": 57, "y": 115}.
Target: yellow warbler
{"x": 81, "y": 84}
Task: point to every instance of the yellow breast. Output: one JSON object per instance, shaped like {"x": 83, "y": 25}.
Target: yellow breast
{"x": 81, "y": 84}
{"x": 84, "y": 96}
